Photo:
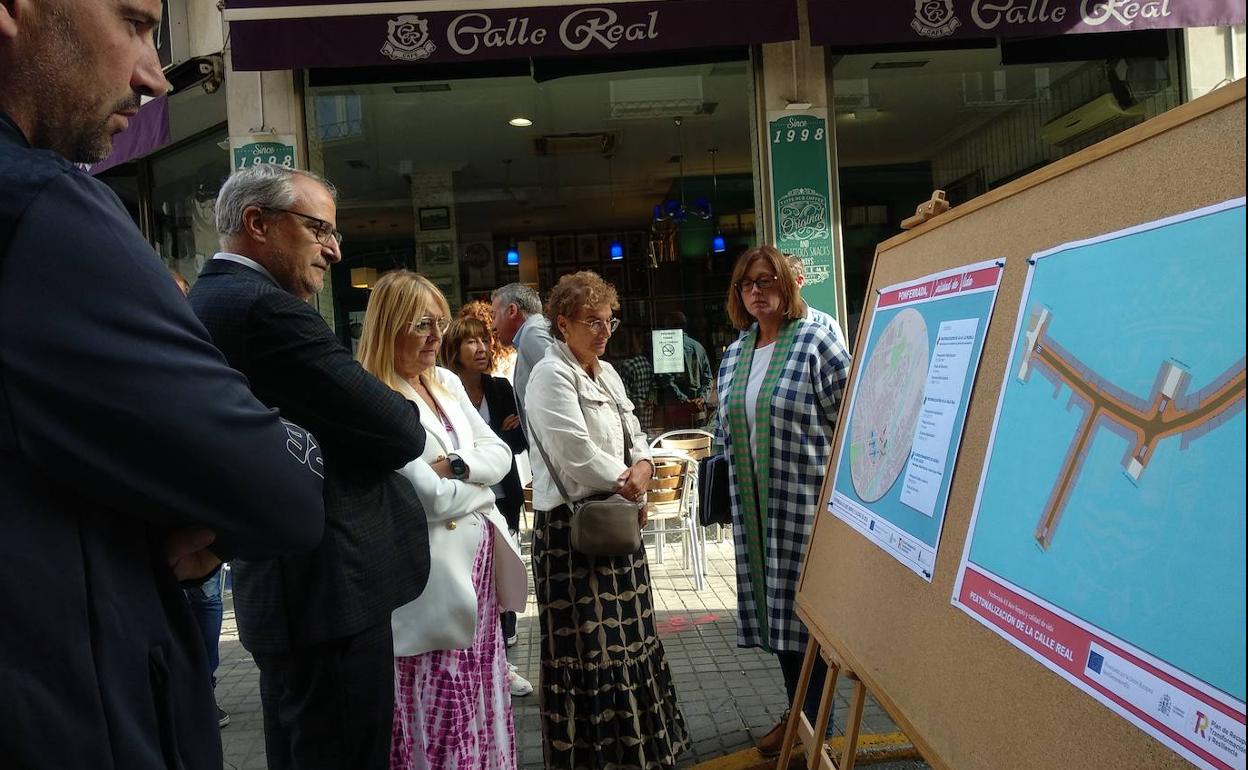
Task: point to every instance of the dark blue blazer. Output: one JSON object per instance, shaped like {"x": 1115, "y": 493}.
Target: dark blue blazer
{"x": 375, "y": 555}
{"x": 119, "y": 421}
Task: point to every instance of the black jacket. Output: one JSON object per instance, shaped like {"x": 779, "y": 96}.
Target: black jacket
{"x": 375, "y": 555}
{"x": 502, "y": 402}
{"x": 118, "y": 421}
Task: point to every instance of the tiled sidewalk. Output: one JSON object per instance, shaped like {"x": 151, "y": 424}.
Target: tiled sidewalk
{"x": 730, "y": 697}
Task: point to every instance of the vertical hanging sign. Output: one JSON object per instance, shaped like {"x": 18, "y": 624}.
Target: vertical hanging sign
{"x": 802, "y": 200}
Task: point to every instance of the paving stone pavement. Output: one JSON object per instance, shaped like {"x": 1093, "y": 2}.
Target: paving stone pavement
{"x": 730, "y": 697}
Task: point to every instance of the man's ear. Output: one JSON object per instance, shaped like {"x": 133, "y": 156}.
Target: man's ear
{"x": 254, "y": 224}
{"x": 8, "y": 19}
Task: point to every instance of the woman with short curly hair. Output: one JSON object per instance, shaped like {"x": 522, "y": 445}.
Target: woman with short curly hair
{"x": 607, "y": 695}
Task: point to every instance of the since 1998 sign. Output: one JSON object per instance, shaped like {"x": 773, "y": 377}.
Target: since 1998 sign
{"x": 802, "y": 200}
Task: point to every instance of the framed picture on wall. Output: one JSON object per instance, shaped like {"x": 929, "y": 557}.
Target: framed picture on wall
{"x": 541, "y": 248}
{"x": 434, "y": 253}
{"x": 586, "y": 249}
{"x": 479, "y": 262}
{"x": 565, "y": 249}
{"x": 434, "y": 218}
{"x": 635, "y": 247}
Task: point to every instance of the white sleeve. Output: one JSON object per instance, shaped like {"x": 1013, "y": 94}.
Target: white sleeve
{"x": 445, "y": 499}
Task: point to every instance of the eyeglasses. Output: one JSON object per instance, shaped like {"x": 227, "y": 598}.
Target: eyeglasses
{"x": 600, "y": 327}
{"x": 746, "y": 285}
{"x": 425, "y": 326}
{"x": 320, "y": 228}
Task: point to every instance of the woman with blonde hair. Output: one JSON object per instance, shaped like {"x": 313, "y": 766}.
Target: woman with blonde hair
{"x": 780, "y": 389}
{"x": 607, "y": 695}
{"x": 452, "y": 708}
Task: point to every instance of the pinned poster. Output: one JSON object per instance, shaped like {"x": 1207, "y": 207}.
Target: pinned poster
{"x": 1107, "y": 538}
{"x": 669, "y": 351}
{"x": 908, "y": 407}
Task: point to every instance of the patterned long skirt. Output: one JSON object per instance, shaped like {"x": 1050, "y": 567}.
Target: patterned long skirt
{"x": 607, "y": 695}
{"x": 452, "y": 708}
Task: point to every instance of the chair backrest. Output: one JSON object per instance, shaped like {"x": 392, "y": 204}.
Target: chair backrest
{"x": 693, "y": 442}
{"x": 667, "y": 486}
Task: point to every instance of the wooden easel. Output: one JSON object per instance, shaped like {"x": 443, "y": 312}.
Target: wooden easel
{"x": 818, "y": 755}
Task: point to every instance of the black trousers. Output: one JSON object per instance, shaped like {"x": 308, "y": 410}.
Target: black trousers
{"x": 791, "y": 669}
{"x": 330, "y": 706}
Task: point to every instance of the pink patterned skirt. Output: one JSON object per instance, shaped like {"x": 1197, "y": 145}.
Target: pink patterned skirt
{"x": 452, "y": 708}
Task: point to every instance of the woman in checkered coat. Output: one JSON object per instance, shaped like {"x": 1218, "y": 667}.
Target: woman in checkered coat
{"x": 780, "y": 388}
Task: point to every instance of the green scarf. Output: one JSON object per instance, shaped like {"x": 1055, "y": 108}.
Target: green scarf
{"x": 754, "y": 479}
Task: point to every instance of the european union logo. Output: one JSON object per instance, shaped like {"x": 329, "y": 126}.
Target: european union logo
{"x": 1095, "y": 661}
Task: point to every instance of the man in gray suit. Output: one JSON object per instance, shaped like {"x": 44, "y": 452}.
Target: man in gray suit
{"x": 518, "y": 321}
{"x": 318, "y": 624}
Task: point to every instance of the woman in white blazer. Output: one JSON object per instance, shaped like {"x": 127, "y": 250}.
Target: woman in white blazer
{"x": 449, "y": 653}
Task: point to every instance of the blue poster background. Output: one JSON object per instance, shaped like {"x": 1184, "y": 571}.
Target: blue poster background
{"x": 1158, "y": 562}
{"x": 924, "y": 528}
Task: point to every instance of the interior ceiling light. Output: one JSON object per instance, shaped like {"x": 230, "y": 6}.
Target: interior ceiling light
{"x": 520, "y": 122}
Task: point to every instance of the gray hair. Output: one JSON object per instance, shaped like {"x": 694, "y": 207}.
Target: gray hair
{"x": 268, "y": 186}
{"x": 523, "y": 297}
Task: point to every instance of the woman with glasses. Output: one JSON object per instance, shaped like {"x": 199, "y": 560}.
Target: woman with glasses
{"x": 607, "y": 695}
{"x": 780, "y": 388}
{"x": 452, "y": 705}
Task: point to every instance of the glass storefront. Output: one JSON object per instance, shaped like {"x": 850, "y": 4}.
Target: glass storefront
{"x": 477, "y": 182}
{"x": 967, "y": 121}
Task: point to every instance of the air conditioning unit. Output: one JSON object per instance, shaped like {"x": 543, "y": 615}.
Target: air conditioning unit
{"x": 1082, "y": 119}
{"x": 596, "y": 143}
{"x": 661, "y": 97}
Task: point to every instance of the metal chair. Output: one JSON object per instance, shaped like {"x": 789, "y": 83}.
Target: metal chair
{"x": 673, "y": 496}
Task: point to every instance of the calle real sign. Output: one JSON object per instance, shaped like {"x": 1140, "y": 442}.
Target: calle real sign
{"x": 840, "y": 23}
{"x": 285, "y": 34}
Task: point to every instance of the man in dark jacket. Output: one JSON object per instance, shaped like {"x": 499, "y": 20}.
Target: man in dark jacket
{"x": 318, "y": 624}
{"x": 126, "y": 443}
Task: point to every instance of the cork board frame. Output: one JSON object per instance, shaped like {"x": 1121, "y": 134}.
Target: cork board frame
{"x": 964, "y": 696}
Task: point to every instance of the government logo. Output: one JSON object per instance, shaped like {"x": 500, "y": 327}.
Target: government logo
{"x": 407, "y": 39}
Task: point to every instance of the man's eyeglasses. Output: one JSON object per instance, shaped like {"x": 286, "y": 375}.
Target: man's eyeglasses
{"x": 320, "y": 228}
{"x": 600, "y": 327}
{"x": 746, "y": 285}
{"x": 425, "y": 326}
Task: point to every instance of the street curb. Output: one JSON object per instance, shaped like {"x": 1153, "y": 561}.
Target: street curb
{"x": 872, "y": 748}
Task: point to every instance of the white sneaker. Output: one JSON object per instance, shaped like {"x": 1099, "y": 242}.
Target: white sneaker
{"x": 520, "y": 686}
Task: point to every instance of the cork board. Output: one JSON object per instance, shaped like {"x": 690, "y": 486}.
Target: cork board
{"x": 964, "y": 696}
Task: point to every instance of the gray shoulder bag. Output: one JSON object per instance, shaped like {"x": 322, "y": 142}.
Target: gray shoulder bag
{"x": 604, "y": 524}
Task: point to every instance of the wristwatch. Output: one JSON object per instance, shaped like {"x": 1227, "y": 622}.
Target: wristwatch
{"x": 459, "y": 468}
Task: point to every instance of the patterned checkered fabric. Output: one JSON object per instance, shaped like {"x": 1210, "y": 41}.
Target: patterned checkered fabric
{"x": 804, "y": 405}
{"x": 637, "y": 374}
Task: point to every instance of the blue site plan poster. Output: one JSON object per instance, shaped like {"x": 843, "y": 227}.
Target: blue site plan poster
{"x": 907, "y": 407}
{"x": 1107, "y": 540}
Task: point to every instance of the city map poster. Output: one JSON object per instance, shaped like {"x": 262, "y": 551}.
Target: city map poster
{"x": 1107, "y": 539}
{"x": 907, "y": 407}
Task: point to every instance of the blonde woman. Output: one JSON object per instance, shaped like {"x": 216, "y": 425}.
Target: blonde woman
{"x": 452, "y": 706}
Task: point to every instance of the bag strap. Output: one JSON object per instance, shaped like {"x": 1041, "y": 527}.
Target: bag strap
{"x": 628, "y": 453}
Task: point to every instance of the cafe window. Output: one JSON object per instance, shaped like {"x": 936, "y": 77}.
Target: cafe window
{"x": 967, "y": 121}
{"x": 643, "y": 174}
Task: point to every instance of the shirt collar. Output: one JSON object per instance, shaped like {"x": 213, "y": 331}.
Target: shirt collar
{"x": 8, "y": 125}
{"x": 246, "y": 262}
